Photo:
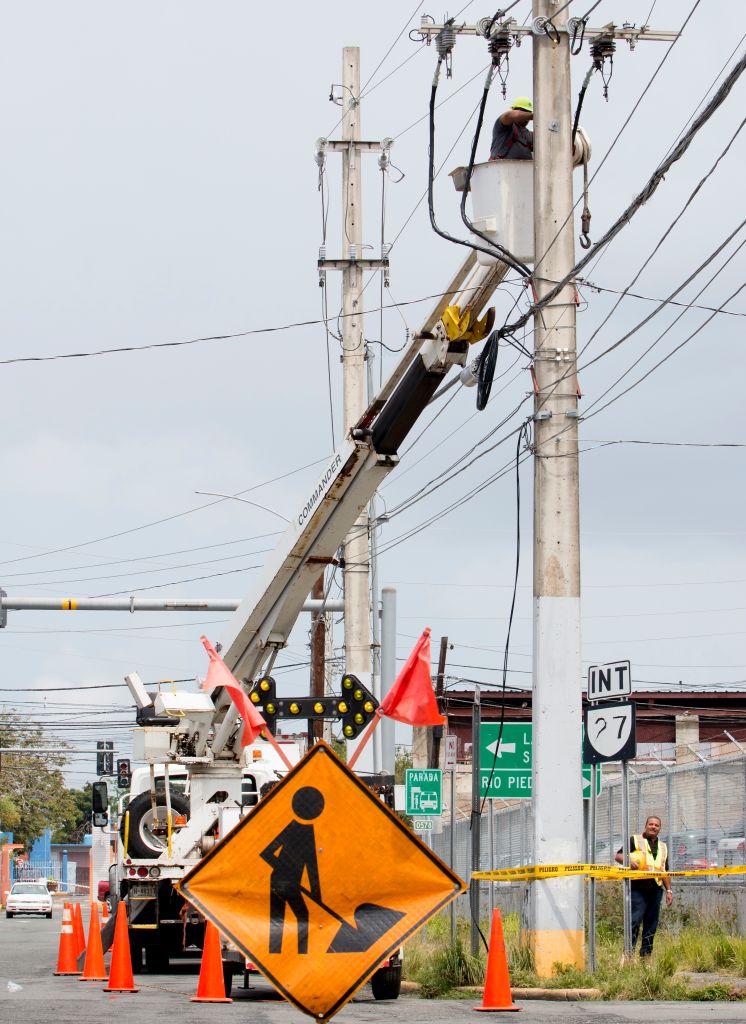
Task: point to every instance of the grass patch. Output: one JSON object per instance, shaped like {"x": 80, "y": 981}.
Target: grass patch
{"x": 682, "y": 944}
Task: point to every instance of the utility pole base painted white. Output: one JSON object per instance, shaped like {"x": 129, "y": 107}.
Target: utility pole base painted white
{"x": 556, "y": 934}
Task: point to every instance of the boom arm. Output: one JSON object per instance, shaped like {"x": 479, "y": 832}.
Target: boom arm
{"x": 262, "y": 623}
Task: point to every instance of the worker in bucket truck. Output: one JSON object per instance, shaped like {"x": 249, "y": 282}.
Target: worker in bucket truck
{"x": 511, "y": 139}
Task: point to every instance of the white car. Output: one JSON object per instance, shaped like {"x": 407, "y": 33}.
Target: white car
{"x": 29, "y": 898}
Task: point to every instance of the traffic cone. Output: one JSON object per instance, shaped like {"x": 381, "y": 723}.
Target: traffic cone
{"x": 104, "y": 912}
{"x": 120, "y": 973}
{"x": 67, "y": 957}
{"x": 211, "y": 988}
{"x": 497, "y": 995}
{"x": 94, "y": 968}
{"x": 78, "y": 929}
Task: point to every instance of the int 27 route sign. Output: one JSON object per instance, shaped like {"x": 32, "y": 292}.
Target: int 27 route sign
{"x": 511, "y": 778}
{"x": 424, "y": 788}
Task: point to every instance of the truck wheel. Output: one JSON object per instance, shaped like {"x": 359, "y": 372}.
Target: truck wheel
{"x": 142, "y": 842}
{"x": 386, "y": 982}
{"x": 156, "y": 960}
{"x": 8, "y": 913}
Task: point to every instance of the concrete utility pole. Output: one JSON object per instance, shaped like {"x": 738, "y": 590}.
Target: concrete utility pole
{"x": 356, "y": 546}
{"x": 557, "y": 933}
{"x": 356, "y": 551}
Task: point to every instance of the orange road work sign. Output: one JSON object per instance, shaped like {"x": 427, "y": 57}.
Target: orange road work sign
{"x": 319, "y": 884}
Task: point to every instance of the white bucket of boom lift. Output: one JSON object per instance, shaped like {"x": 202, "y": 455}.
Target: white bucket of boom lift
{"x": 502, "y": 203}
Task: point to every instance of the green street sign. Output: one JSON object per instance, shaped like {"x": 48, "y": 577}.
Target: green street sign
{"x": 512, "y": 778}
{"x": 424, "y": 788}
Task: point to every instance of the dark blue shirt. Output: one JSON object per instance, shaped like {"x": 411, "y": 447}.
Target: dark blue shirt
{"x": 511, "y": 142}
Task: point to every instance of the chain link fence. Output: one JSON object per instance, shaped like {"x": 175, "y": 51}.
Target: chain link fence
{"x": 702, "y": 806}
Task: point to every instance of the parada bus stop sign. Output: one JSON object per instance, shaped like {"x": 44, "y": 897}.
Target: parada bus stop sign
{"x": 319, "y": 884}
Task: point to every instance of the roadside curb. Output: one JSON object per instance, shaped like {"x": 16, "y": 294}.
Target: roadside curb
{"x": 556, "y": 994}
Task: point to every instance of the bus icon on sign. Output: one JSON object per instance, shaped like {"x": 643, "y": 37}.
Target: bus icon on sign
{"x": 429, "y": 802}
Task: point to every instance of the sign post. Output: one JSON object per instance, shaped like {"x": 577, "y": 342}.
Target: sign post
{"x": 609, "y": 735}
{"x": 592, "y": 881}
{"x": 625, "y": 851}
{"x": 449, "y": 763}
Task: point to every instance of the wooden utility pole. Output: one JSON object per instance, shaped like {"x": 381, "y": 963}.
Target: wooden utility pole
{"x": 436, "y": 733}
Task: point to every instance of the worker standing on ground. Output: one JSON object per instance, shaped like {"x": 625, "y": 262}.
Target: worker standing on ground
{"x": 511, "y": 139}
{"x": 648, "y": 853}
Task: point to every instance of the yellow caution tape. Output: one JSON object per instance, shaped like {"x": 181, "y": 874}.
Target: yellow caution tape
{"x": 536, "y": 872}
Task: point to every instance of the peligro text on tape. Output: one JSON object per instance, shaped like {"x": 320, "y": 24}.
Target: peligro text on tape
{"x": 536, "y": 872}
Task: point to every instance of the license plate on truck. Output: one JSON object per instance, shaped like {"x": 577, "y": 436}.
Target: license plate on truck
{"x": 142, "y": 892}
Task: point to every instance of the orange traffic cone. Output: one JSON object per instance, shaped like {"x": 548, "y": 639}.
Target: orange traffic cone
{"x": 497, "y": 995}
{"x": 67, "y": 957}
{"x": 120, "y": 974}
{"x": 94, "y": 968}
{"x": 78, "y": 929}
{"x": 211, "y": 988}
{"x": 104, "y": 912}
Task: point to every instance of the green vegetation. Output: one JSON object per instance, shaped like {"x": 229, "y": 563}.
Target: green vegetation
{"x": 34, "y": 796}
{"x": 682, "y": 944}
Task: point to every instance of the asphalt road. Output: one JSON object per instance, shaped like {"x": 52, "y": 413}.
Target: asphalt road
{"x": 28, "y": 952}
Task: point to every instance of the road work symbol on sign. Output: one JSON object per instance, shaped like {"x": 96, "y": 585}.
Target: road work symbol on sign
{"x": 290, "y": 854}
{"x": 319, "y": 884}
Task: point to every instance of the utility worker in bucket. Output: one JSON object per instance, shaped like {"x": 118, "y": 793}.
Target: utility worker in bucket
{"x": 648, "y": 853}
{"x": 511, "y": 139}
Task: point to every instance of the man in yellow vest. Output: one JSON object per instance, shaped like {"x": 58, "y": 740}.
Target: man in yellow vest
{"x": 648, "y": 853}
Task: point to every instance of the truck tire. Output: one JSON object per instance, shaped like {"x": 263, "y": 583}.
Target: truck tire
{"x": 141, "y": 841}
{"x": 386, "y": 982}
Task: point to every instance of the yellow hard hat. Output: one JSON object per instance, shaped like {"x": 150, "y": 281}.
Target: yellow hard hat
{"x": 637, "y": 859}
{"x": 523, "y": 103}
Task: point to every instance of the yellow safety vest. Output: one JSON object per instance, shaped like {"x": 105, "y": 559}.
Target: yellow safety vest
{"x": 657, "y": 863}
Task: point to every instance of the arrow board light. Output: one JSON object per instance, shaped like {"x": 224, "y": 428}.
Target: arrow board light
{"x": 319, "y": 884}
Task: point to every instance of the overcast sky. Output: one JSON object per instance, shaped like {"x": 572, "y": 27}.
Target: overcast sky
{"x": 158, "y": 185}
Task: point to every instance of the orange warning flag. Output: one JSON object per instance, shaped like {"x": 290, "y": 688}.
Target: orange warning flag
{"x": 411, "y": 699}
{"x": 218, "y": 674}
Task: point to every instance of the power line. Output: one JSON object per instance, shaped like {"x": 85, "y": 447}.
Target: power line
{"x": 158, "y": 522}
{"x": 174, "y": 583}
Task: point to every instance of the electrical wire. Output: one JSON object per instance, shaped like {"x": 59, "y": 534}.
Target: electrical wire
{"x": 649, "y": 298}
{"x": 504, "y": 256}
{"x": 159, "y": 522}
{"x": 689, "y": 200}
{"x": 646, "y": 193}
{"x": 175, "y": 583}
{"x": 523, "y": 437}
{"x": 619, "y": 134}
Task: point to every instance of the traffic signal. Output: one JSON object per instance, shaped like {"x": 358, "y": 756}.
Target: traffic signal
{"x": 124, "y": 774}
{"x": 354, "y": 706}
{"x": 104, "y": 757}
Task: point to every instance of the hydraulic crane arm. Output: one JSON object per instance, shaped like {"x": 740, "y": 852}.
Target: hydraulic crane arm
{"x": 262, "y": 623}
